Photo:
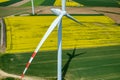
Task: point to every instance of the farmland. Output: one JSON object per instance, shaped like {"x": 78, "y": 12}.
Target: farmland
{"x": 68, "y": 3}
{"x": 91, "y": 3}
{"x": 105, "y": 3}
{"x": 95, "y": 31}
{"x": 9, "y": 2}
{"x": 101, "y": 63}
{"x": 41, "y": 2}
{"x": 3, "y": 1}
{"x": 91, "y": 50}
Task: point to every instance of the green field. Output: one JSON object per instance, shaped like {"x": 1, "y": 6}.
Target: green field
{"x": 0, "y": 33}
{"x": 101, "y": 63}
{"x": 105, "y": 3}
{"x": 40, "y": 3}
{"x": 91, "y": 3}
{"x": 9, "y": 2}
{"x": 9, "y": 78}
{"x": 7, "y": 11}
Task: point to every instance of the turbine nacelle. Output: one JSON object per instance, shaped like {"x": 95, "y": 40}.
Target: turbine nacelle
{"x": 58, "y": 12}
{"x": 64, "y": 13}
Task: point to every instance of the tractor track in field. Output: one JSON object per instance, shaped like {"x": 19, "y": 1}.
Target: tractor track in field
{"x": 5, "y": 75}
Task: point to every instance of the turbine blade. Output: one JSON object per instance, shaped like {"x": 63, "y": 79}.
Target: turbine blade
{"x": 50, "y": 29}
{"x": 72, "y": 18}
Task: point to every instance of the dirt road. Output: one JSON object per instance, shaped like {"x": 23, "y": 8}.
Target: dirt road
{"x": 4, "y": 75}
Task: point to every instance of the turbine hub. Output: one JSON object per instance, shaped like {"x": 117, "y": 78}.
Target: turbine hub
{"x": 64, "y": 12}
{"x": 58, "y": 12}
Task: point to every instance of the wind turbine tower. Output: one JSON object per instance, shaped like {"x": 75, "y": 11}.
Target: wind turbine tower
{"x": 33, "y": 8}
{"x": 58, "y": 21}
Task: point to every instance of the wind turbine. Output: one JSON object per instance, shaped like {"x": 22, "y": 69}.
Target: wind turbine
{"x": 57, "y": 21}
{"x": 33, "y": 8}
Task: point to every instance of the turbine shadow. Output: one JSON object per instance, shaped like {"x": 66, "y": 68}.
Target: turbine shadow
{"x": 66, "y": 66}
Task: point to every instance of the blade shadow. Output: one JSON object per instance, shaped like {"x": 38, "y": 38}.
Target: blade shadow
{"x": 67, "y": 64}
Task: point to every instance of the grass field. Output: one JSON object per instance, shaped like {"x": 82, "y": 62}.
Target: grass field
{"x": 96, "y": 31}
{"x": 91, "y": 3}
{"x": 7, "y": 3}
{"x": 0, "y": 33}
{"x": 105, "y": 3}
{"x": 36, "y": 3}
{"x": 9, "y": 78}
{"x": 40, "y": 2}
{"x": 118, "y": 2}
{"x": 101, "y": 63}
{"x": 8, "y": 11}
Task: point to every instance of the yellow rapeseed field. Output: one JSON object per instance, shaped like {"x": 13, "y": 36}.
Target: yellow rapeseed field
{"x": 70, "y": 3}
{"x": 3, "y": 1}
{"x": 25, "y": 32}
